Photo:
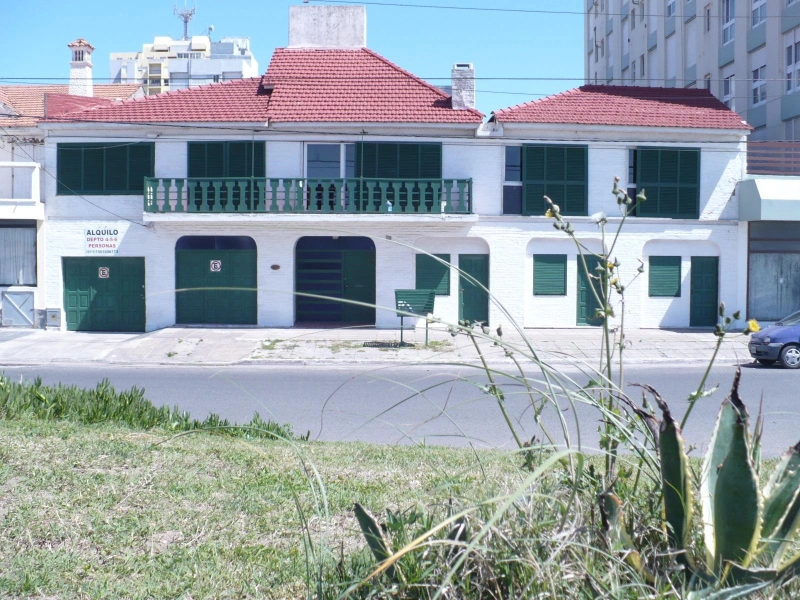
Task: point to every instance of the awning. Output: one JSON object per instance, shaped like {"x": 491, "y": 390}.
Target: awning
{"x": 769, "y": 199}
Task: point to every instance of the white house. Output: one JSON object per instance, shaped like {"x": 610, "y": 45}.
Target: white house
{"x": 22, "y": 212}
{"x": 337, "y": 173}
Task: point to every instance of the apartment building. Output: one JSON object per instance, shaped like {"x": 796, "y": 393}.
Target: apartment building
{"x": 169, "y": 64}
{"x": 746, "y": 52}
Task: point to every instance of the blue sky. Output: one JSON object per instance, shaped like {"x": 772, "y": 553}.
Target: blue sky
{"x": 424, "y": 41}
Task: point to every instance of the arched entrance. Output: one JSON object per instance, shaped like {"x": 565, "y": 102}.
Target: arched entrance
{"x": 216, "y": 280}
{"x": 338, "y": 268}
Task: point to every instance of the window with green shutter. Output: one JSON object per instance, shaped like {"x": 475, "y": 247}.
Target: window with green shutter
{"x": 549, "y": 274}
{"x": 433, "y": 275}
{"x": 671, "y": 181}
{"x": 209, "y": 160}
{"x": 383, "y": 160}
{"x": 665, "y": 277}
{"x": 104, "y": 169}
{"x": 558, "y": 172}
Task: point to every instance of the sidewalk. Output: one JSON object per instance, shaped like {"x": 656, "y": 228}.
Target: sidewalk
{"x": 228, "y": 346}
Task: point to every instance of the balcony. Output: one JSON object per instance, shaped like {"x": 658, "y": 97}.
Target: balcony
{"x": 20, "y": 196}
{"x": 256, "y": 195}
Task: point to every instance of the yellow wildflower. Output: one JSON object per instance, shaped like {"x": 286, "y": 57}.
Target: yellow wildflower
{"x": 753, "y": 326}
{"x": 610, "y": 266}
{"x": 614, "y": 282}
{"x": 549, "y": 214}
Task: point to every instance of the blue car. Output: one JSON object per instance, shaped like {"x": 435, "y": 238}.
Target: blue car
{"x": 779, "y": 342}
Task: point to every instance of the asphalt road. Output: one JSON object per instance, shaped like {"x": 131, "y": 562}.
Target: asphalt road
{"x": 434, "y": 405}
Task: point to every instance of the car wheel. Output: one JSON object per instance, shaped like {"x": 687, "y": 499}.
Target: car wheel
{"x": 790, "y": 357}
{"x": 766, "y": 362}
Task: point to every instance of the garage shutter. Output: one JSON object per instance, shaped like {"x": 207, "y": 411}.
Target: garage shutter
{"x": 549, "y": 274}
{"x": 433, "y": 275}
{"x": 671, "y": 181}
{"x": 559, "y": 172}
{"x": 665, "y": 276}
{"x": 398, "y": 161}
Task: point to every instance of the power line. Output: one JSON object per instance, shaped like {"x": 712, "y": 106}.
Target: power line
{"x": 534, "y": 11}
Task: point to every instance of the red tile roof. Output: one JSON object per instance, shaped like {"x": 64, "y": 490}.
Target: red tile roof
{"x": 627, "y": 106}
{"x": 301, "y": 85}
{"x": 353, "y": 85}
{"x": 240, "y": 100}
{"x": 27, "y": 101}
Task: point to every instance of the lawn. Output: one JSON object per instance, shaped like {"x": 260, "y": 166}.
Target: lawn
{"x": 103, "y": 511}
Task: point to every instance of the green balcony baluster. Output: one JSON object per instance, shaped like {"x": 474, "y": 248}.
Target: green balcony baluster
{"x": 204, "y": 201}
{"x": 180, "y": 184}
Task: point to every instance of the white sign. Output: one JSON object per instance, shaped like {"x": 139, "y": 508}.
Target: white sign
{"x": 103, "y": 273}
{"x": 216, "y": 266}
{"x": 103, "y": 239}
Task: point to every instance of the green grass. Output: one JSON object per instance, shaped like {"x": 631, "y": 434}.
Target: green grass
{"x": 110, "y": 512}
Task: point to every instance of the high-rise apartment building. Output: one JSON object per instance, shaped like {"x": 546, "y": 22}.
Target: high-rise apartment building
{"x": 746, "y": 52}
{"x": 169, "y": 64}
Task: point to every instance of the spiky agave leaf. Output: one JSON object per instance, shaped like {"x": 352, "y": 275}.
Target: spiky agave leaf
{"x": 782, "y": 506}
{"x": 614, "y": 525}
{"x": 737, "y": 504}
{"x": 374, "y": 535}
{"x": 731, "y": 410}
{"x": 790, "y": 570}
{"x": 676, "y": 480}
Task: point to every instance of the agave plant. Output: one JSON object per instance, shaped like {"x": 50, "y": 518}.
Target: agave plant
{"x": 747, "y": 532}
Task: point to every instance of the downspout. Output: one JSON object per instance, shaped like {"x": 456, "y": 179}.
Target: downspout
{"x": 12, "y": 170}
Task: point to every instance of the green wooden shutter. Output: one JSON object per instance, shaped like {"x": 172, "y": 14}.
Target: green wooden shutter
{"x": 69, "y": 168}
{"x": 196, "y": 159}
{"x": 366, "y": 160}
{"x": 237, "y": 163}
{"x": 549, "y": 274}
{"x": 665, "y": 276}
{"x": 116, "y": 168}
{"x": 430, "y": 161}
{"x": 141, "y": 164}
{"x": 433, "y": 275}
{"x": 408, "y": 161}
{"x": 216, "y": 160}
{"x": 259, "y": 159}
{"x": 93, "y": 169}
{"x": 559, "y": 172}
{"x": 671, "y": 181}
{"x": 387, "y": 161}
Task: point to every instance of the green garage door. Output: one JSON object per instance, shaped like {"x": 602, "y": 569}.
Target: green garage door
{"x": 473, "y": 301}
{"x": 216, "y": 287}
{"x": 104, "y": 294}
{"x": 704, "y": 300}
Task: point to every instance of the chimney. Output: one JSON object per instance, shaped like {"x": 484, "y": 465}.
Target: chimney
{"x": 80, "y": 68}
{"x": 327, "y": 27}
{"x": 463, "y": 86}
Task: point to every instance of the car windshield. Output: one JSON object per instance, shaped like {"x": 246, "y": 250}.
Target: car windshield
{"x": 793, "y": 319}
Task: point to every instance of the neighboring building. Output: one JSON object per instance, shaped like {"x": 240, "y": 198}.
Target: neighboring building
{"x": 244, "y": 202}
{"x": 169, "y": 64}
{"x": 747, "y": 53}
{"x": 22, "y": 213}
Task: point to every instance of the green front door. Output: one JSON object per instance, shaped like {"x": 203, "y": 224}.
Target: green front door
{"x": 104, "y": 294}
{"x": 588, "y": 304}
{"x": 216, "y": 287}
{"x": 358, "y": 277}
{"x": 473, "y": 301}
{"x": 704, "y": 302}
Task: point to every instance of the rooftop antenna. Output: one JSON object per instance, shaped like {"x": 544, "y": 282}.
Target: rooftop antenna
{"x": 185, "y": 14}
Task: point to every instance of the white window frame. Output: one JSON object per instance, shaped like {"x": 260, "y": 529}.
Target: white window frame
{"x": 633, "y": 19}
{"x": 342, "y": 156}
{"x": 759, "y": 86}
{"x": 707, "y": 81}
{"x": 707, "y": 13}
{"x": 670, "y": 8}
{"x": 791, "y": 58}
{"x": 633, "y": 71}
{"x": 729, "y": 91}
{"x": 728, "y": 21}
{"x": 758, "y": 13}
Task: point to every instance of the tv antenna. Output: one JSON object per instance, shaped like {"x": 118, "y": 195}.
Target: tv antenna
{"x": 185, "y": 14}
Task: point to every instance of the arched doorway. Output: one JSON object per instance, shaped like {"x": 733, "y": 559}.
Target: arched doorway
{"x": 216, "y": 280}
{"x": 329, "y": 270}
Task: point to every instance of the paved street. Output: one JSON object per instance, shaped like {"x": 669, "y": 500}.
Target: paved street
{"x": 439, "y": 405}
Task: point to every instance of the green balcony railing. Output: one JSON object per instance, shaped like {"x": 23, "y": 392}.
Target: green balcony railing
{"x": 282, "y": 195}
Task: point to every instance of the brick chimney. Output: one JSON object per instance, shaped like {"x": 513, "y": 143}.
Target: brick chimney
{"x": 463, "y": 86}
{"x": 80, "y": 68}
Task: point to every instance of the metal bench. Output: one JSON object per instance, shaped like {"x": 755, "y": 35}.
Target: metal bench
{"x": 418, "y": 303}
